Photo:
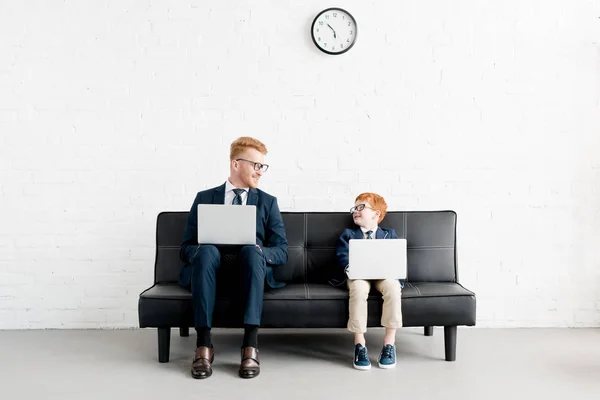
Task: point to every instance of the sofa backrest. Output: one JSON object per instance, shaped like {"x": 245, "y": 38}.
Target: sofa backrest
{"x": 312, "y": 239}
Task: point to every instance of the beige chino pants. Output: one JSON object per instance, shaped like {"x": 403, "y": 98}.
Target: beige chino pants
{"x": 392, "y": 308}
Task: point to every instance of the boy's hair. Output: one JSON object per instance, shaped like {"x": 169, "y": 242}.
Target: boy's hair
{"x": 240, "y": 144}
{"x": 376, "y": 201}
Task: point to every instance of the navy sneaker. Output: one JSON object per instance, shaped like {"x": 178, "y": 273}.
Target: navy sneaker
{"x": 387, "y": 357}
{"x": 361, "y": 358}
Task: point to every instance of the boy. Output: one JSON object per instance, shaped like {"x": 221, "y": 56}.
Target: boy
{"x": 368, "y": 211}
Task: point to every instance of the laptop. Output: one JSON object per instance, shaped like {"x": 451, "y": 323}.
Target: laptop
{"x": 377, "y": 259}
{"x": 226, "y": 224}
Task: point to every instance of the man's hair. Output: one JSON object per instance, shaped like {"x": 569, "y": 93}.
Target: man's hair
{"x": 240, "y": 144}
{"x": 376, "y": 201}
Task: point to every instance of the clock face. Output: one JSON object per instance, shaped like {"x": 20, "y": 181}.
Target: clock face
{"x": 334, "y": 31}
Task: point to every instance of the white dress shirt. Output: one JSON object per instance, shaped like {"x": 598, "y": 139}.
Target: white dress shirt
{"x": 230, "y": 194}
{"x": 364, "y": 231}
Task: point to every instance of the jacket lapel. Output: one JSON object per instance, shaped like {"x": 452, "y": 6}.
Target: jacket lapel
{"x": 219, "y": 195}
{"x": 252, "y": 197}
{"x": 357, "y": 234}
{"x": 380, "y": 234}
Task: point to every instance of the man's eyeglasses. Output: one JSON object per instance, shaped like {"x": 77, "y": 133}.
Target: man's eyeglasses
{"x": 360, "y": 207}
{"x": 257, "y": 166}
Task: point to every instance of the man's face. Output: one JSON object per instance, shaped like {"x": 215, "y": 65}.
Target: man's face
{"x": 367, "y": 216}
{"x": 245, "y": 171}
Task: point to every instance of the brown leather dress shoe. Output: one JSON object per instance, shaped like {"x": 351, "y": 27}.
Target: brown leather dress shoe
{"x": 250, "y": 366}
{"x": 201, "y": 366}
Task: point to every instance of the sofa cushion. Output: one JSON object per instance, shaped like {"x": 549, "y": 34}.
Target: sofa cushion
{"x": 313, "y": 305}
{"x": 312, "y": 240}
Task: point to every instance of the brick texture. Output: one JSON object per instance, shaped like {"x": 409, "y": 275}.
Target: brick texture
{"x": 112, "y": 111}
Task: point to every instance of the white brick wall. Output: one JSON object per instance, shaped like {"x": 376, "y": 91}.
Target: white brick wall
{"x": 111, "y": 111}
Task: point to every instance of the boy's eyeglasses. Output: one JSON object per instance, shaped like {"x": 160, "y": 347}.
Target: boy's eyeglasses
{"x": 360, "y": 207}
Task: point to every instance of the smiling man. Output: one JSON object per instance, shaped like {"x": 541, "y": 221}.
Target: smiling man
{"x": 246, "y": 167}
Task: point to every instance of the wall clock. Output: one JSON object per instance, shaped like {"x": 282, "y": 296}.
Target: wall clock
{"x": 334, "y": 31}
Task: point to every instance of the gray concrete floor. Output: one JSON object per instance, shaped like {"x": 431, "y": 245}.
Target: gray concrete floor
{"x": 302, "y": 364}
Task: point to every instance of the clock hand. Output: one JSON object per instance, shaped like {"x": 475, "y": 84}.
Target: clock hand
{"x": 334, "y": 35}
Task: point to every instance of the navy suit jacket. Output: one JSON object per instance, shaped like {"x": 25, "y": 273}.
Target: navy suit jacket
{"x": 270, "y": 232}
{"x": 343, "y": 247}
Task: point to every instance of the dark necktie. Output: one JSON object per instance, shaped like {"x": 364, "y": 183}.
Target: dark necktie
{"x": 369, "y": 234}
{"x": 237, "y": 200}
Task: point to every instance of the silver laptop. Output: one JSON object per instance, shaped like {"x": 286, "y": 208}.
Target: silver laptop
{"x": 226, "y": 224}
{"x": 377, "y": 259}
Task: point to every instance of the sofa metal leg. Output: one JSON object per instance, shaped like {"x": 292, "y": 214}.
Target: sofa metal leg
{"x": 428, "y": 331}
{"x": 184, "y": 331}
{"x": 450, "y": 342}
{"x": 164, "y": 344}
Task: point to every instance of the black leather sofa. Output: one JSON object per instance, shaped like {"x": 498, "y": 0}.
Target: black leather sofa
{"x": 431, "y": 297}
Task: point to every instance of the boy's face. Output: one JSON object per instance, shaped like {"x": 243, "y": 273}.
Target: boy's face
{"x": 367, "y": 217}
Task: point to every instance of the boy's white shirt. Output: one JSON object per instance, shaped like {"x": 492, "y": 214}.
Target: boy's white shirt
{"x": 365, "y": 230}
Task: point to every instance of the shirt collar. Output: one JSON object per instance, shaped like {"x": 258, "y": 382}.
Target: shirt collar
{"x": 229, "y": 187}
{"x": 365, "y": 230}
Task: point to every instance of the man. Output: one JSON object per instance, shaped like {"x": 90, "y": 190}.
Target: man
{"x": 246, "y": 167}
